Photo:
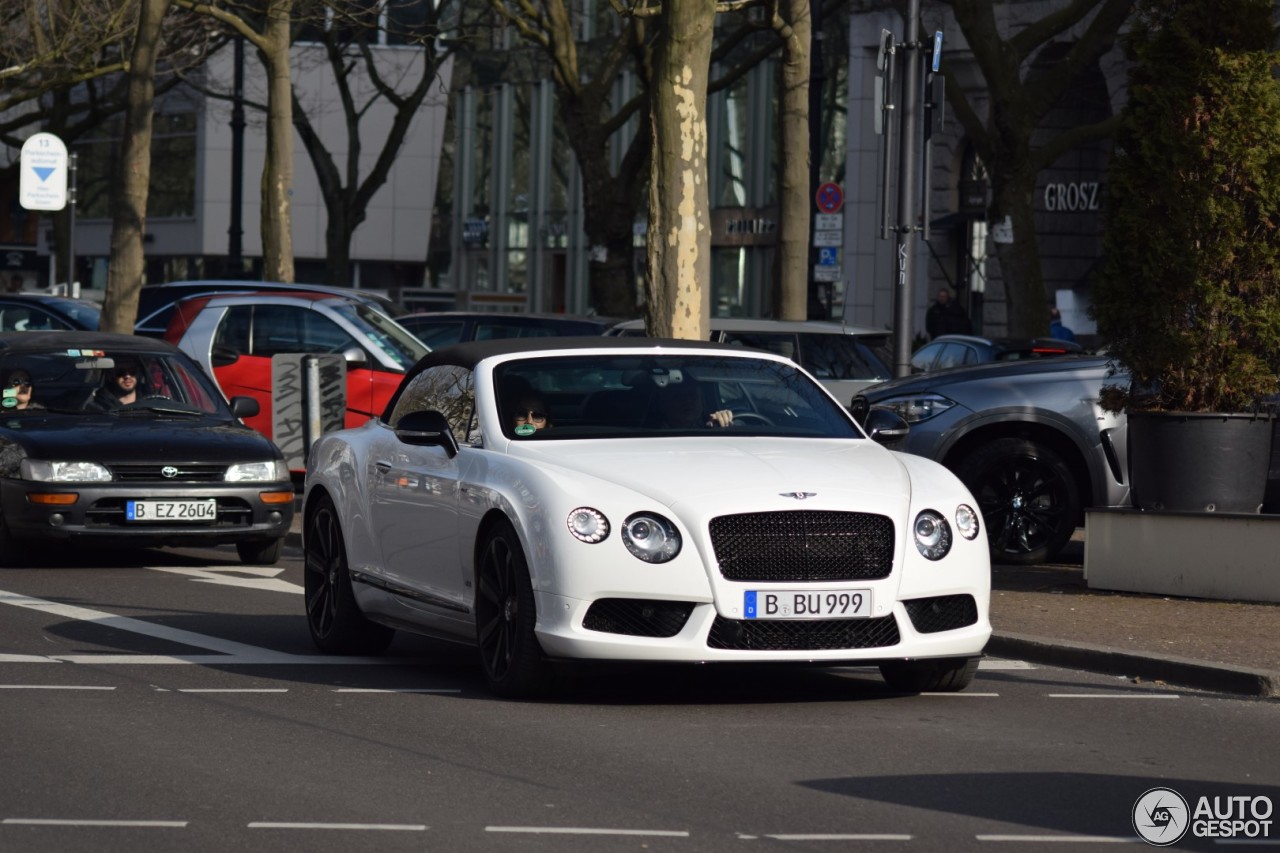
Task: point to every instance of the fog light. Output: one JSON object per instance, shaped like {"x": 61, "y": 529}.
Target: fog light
{"x": 56, "y": 520}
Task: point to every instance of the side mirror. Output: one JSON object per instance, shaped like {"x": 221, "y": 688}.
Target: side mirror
{"x": 884, "y": 426}
{"x": 354, "y": 355}
{"x": 244, "y": 407}
{"x": 223, "y": 355}
{"x": 427, "y": 429}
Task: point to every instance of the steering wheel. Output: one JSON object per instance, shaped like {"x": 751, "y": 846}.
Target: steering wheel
{"x": 751, "y": 418}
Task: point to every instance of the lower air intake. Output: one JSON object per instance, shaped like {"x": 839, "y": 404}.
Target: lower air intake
{"x": 637, "y": 617}
{"x": 796, "y": 635}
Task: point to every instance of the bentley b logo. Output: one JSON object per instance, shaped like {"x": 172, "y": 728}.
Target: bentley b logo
{"x": 798, "y": 495}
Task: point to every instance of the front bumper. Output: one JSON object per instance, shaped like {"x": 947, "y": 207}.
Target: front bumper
{"x": 97, "y": 513}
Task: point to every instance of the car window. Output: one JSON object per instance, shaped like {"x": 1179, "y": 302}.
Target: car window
{"x": 488, "y": 331}
{"x": 840, "y": 357}
{"x": 922, "y": 360}
{"x": 73, "y": 381}
{"x": 436, "y": 333}
{"x": 955, "y": 355}
{"x": 629, "y": 396}
{"x": 28, "y": 318}
{"x": 233, "y": 330}
{"x": 380, "y": 332}
{"x": 445, "y": 388}
{"x": 279, "y": 329}
{"x": 774, "y": 342}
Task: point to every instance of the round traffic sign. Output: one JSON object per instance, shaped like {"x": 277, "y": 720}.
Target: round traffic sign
{"x": 830, "y": 198}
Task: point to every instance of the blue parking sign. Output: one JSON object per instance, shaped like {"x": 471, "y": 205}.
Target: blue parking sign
{"x": 829, "y": 256}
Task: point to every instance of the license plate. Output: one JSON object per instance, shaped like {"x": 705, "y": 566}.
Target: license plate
{"x": 807, "y": 603}
{"x": 198, "y": 510}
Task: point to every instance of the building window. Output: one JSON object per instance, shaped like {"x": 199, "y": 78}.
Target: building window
{"x": 391, "y": 22}
{"x": 172, "y": 193}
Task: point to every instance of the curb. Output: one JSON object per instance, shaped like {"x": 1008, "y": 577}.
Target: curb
{"x": 1217, "y": 677}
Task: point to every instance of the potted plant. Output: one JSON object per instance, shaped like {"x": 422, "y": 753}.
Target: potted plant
{"x": 1188, "y": 298}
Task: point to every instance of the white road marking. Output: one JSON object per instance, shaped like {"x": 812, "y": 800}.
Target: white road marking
{"x": 1113, "y": 695}
{"x": 581, "y": 830}
{"x": 32, "y": 821}
{"x": 394, "y": 827}
{"x": 964, "y": 693}
{"x": 52, "y": 687}
{"x": 397, "y": 690}
{"x": 260, "y": 578}
{"x": 1072, "y": 839}
{"x": 862, "y": 836}
{"x": 1000, "y": 663}
{"x": 232, "y": 690}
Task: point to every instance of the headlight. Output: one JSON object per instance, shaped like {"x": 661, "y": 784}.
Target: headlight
{"x": 917, "y": 408}
{"x": 257, "y": 472}
{"x": 588, "y": 525}
{"x": 966, "y": 521}
{"x": 933, "y": 534}
{"x": 64, "y": 472}
{"x": 651, "y": 537}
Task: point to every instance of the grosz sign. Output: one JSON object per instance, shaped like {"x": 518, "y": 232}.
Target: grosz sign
{"x": 1079, "y": 196}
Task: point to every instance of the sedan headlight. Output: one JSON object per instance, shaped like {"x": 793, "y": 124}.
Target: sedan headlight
{"x": 933, "y": 534}
{"x": 651, "y": 537}
{"x": 257, "y": 472}
{"x": 967, "y": 521}
{"x": 588, "y": 525}
{"x": 918, "y": 407}
{"x": 64, "y": 472}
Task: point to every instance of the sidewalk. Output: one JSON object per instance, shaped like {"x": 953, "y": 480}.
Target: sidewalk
{"x": 1046, "y": 614}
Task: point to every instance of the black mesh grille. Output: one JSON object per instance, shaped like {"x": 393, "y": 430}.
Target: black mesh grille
{"x": 153, "y": 472}
{"x": 637, "y": 616}
{"x": 802, "y": 634}
{"x": 803, "y": 545}
{"x": 944, "y": 613}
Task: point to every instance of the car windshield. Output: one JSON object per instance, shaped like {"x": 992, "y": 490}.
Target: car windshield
{"x": 79, "y": 381}
{"x": 83, "y": 314}
{"x": 383, "y": 332}
{"x": 626, "y": 396}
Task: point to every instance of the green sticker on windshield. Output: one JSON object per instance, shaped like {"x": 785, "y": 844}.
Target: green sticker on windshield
{"x": 526, "y": 429}
{"x": 10, "y": 398}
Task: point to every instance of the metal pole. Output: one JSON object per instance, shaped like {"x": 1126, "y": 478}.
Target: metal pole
{"x": 73, "y": 289}
{"x": 904, "y": 300}
{"x": 817, "y": 79}
{"x": 315, "y": 428}
{"x": 235, "y": 251}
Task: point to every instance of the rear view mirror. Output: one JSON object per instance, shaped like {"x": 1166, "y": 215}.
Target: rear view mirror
{"x": 244, "y": 407}
{"x": 427, "y": 429}
{"x": 884, "y": 426}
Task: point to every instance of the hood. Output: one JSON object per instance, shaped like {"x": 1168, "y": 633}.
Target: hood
{"x": 113, "y": 439}
{"x": 938, "y": 381}
{"x": 678, "y": 469}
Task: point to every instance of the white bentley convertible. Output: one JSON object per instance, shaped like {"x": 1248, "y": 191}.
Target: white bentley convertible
{"x": 621, "y": 499}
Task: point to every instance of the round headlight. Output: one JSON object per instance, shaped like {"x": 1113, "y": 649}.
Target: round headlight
{"x": 588, "y": 525}
{"x": 933, "y": 534}
{"x": 966, "y": 521}
{"x": 651, "y": 537}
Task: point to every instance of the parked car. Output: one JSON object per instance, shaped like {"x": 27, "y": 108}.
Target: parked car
{"x": 612, "y": 534}
{"x": 37, "y": 312}
{"x": 157, "y": 302}
{"x": 441, "y": 328}
{"x": 844, "y": 358}
{"x": 947, "y": 351}
{"x": 233, "y": 336}
{"x": 1028, "y": 438}
{"x": 173, "y": 467}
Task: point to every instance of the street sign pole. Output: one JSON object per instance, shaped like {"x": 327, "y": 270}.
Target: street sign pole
{"x": 904, "y": 291}
{"x": 73, "y": 285}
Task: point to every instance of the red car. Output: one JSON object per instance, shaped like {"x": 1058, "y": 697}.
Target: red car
{"x": 235, "y": 336}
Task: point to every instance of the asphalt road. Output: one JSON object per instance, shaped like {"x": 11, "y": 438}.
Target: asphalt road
{"x": 173, "y": 701}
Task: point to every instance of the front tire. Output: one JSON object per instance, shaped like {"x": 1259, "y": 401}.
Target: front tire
{"x": 943, "y": 675}
{"x": 333, "y": 616}
{"x": 514, "y": 665}
{"x": 1028, "y": 497}
{"x": 262, "y": 552}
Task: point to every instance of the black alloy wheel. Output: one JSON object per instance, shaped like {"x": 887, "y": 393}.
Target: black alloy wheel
{"x": 513, "y": 662}
{"x": 337, "y": 626}
{"x": 1028, "y": 498}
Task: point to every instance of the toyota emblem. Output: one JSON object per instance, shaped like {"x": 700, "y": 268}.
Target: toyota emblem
{"x": 169, "y": 472}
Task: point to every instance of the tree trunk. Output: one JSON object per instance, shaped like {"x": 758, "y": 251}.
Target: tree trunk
{"x": 129, "y": 211}
{"x": 277, "y": 171}
{"x": 609, "y": 214}
{"x": 337, "y": 242}
{"x": 794, "y": 165}
{"x": 1026, "y": 303}
{"x": 677, "y": 283}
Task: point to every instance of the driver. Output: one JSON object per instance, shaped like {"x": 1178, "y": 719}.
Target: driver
{"x": 121, "y": 386}
{"x": 680, "y": 407}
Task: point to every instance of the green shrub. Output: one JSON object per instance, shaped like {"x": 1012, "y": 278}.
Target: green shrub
{"x": 1188, "y": 298}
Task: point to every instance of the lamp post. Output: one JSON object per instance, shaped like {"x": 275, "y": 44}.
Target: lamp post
{"x": 235, "y": 251}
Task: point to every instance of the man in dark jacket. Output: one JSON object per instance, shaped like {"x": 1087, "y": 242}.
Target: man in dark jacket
{"x": 946, "y": 316}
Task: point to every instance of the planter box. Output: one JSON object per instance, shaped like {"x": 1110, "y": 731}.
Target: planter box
{"x": 1229, "y": 556}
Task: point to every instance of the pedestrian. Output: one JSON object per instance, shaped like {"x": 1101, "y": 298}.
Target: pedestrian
{"x": 1056, "y": 329}
{"x": 946, "y": 316}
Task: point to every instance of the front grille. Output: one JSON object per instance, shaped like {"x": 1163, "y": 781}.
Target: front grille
{"x": 151, "y": 473}
{"x": 637, "y": 617}
{"x": 797, "y": 635}
{"x": 803, "y": 545}
{"x": 109, "y": 512}
{"x": 944, "y": 613}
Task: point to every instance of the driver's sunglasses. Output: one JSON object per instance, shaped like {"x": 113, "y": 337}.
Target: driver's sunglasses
{"x": 125, "y": 371}
{"x": 20, "y": 384}
{"x": 531, "y": 416}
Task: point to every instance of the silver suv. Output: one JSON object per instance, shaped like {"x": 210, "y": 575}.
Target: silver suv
{"x": 1027, "y": 437}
